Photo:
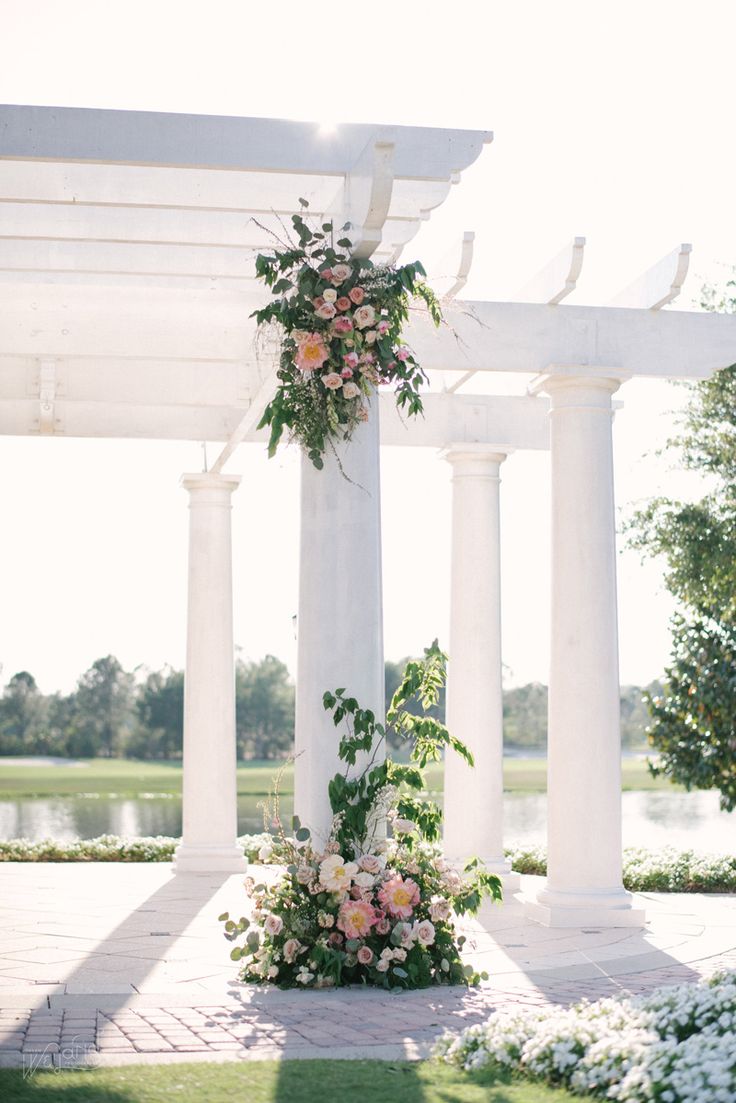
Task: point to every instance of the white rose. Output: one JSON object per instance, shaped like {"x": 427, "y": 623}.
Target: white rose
{"x": 329, "y": 295}
{"x": 382, "y": 966}
{"x": 440, "y": 909}
{"x": 336, "y": 874}
{"x": 403, "y": 827}
{"x": 273, "y": 971}
{"x": 364, "y": 880}
{"x": 350, "y": 390}
{"x": 364, "y": 316}
{"x": 340, "y": 273}
{"x": 265, "y": 852}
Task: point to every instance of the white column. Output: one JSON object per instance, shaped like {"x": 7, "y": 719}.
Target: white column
{"x": 209, "y": 779}
{"x": 340, "y": 619}
{"x": 584, "y": 886}
{"x": 473, "y": 802}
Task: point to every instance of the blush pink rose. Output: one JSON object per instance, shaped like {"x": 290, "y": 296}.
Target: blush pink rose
{"x": 343, "y": 303}
{"x": 383, "y": 327}
{"x": 364, "y": 316}
{"x": 340, "y": 273}
{"x": 351, "y": 359}
{"x": 332, "y": 380}
{"x": 326, "y": 273}
{"x": 402, "y": 354}
{"x": 326, "y": 311}
{"x": 365, "y": 955}
{"x": 318, "y": 302}
{"x": 342, "y": 325}
{"x": 347, "y": 373}
{"x": 335, "y": 939}
{"x": 357, "y": 294}
{"x": 352, "y": 390}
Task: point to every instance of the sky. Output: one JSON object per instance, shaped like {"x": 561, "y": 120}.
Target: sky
{"x": 611, "y": 121}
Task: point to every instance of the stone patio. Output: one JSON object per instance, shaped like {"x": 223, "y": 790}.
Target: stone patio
{"x": 107, "y": 963}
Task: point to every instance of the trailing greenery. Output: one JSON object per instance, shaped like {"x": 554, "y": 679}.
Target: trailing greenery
{"x": 693, "y": 726}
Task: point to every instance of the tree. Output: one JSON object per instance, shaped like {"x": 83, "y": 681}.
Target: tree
{"x": 264, "y": 709}
{"x": 694, "y": 720}
{"x": 104, "y": 709}
{"x": 22, "y": 716}
{"x": 160, "y": 716}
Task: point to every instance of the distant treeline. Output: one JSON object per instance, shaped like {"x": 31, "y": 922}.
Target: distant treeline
{"x": 114, "y": 713}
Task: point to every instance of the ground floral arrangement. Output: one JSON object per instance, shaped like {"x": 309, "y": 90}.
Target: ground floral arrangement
{"x": 340, "y": 321}
{"x": 361, "y": 907}
{"x": 676, "y": 1045}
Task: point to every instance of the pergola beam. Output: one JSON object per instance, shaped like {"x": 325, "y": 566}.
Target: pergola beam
{"x": 660, "y": 284}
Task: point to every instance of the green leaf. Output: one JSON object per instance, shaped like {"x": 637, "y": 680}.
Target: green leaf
{"x": 223, "y": 917}
{"x": 302, "y": 834}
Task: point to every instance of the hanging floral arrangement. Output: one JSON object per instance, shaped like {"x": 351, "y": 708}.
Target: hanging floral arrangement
{"x": 341, "y": 321}
{"x": 360, "y": 907}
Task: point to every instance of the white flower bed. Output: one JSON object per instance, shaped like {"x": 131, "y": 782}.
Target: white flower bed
{"x": 676, "y": 1045}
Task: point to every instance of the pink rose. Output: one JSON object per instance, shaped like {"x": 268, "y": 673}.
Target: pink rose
{"x": 326, "y": 273}
{"x": 383, "y": 926}
{"x": 365, "y": 955}
{"x": 352, "y": 390}
{"x": 326, "y": 311}
{"x": 351, "y": 359}
{"x": 347, "y": 373}
{"x": 402, "y": 354}
{"x": 335, "y": 939}
{"x": 371, "y": 337}
{"x": 342, "y": 325}
{"x": 367, "y": 358}
{"x": 291, "y": 949}
{"x": 343, "y": 303}
{"x": 318, "y": 302}
{"x": 357, "y": 294}
{"x": 332, "y": 380}
{"x": 383, "y": 327}
{"x": 382, "y": 966}
{"x": 273, "y": 924}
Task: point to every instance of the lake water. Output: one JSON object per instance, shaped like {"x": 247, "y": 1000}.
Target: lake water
{"x": 652, "y": 819}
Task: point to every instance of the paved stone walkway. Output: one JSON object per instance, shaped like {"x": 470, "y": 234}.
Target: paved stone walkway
{"x": 114, "y": 963}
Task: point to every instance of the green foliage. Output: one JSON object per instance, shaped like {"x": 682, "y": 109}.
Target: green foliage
{"x": 317, "y": 403}
{"x": 264, "y": 697}
{"x": 694, "y": 720}
{"x": 355, "y": 795}
{"x": 693, "y": 725}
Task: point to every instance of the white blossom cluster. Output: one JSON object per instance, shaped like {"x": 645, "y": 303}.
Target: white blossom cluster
{"x": 676, "y": 1045}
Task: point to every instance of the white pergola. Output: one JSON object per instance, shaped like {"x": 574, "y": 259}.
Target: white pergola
{"x": 127, "y": 243}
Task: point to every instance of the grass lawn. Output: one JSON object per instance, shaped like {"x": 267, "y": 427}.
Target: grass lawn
{"x": 275, "y": 1082}
{"x": 127, "y": 778}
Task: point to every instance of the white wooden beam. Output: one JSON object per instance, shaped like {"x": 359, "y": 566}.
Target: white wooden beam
{"x": 660, "y": 284}
{"x": 558, "y": 278}
{"x": 228, "y": 142}
{"x": 249, "y": 420}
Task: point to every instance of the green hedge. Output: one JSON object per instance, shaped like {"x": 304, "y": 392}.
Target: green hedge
{"x": 666, "y": 870}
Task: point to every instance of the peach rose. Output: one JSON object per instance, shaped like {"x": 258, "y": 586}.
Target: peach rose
{"x": 332, "y": 380}
{"x": 326, "y": 311}
{"x": 352, "y": 390}
{"x": 343, "y": 303}
{"x": 357, "y": 294}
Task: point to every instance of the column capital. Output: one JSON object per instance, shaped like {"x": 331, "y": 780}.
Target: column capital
{"x": 206, "y": 480}
{"x": 476, "y": 458}
{"x": 577, "y": 378}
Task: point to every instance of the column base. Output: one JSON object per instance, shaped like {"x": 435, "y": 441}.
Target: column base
{"x": 584, "y": 909}
{"x": 209, "y": 859}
